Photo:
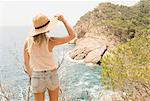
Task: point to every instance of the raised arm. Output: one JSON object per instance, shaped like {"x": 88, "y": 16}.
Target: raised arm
{"x": 69, "y": 37}
{"x": 26, "y": 60}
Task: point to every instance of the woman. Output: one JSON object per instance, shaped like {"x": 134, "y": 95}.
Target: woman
{"x": 38, "y": 57}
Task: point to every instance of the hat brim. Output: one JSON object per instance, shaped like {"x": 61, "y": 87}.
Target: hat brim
{"x": 48, "y": 27}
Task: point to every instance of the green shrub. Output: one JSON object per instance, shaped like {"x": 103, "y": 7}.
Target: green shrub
{"x": 126, "y": 68}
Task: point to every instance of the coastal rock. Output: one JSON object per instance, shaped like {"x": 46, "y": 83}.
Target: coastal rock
{"x": 94, "y": 55}
{"x": 88, "y": 49}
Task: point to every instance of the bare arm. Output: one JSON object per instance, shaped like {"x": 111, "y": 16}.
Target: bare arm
{"x": 26, "y": 60}
{"x": 69, "y": 37}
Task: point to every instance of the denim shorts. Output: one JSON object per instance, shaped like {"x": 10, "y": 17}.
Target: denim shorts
{"x": 42, "y": 80}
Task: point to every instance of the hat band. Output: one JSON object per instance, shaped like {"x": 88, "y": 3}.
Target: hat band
{"x": 42, "y": 25}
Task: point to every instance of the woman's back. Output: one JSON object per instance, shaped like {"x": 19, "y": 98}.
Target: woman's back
{"x": 40, "y": 56}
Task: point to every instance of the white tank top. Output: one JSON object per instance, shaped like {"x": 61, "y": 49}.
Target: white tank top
{"x": 40, "y": 57}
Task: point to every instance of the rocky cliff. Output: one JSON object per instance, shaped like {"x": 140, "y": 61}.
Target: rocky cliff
{"x": 105, "y": 27}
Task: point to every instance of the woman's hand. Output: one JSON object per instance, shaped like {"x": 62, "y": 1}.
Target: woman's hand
{"x": 60, "y": 18}
{"x": 29, "y": 71}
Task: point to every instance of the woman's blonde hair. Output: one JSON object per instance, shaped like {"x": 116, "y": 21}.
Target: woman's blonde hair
{"x": 40, "y": 38}
{"x": 37, "y": 40}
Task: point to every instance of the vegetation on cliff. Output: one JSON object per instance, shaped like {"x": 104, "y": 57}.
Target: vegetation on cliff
{"x": 126, "y": 67}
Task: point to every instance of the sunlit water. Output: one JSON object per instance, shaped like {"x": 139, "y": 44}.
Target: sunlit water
{"x": 78, "y": 81}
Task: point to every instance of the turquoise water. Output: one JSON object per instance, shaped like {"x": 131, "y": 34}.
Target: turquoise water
{"x": 78, "y": 81}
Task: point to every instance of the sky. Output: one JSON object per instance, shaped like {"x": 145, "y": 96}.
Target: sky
{"x": 20, "y": 13}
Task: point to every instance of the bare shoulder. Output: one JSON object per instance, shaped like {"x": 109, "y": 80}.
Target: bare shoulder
{"x": 51, "y": 41}
{"x": 26, "y": 42}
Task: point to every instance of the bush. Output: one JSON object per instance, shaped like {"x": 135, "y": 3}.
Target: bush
{"x": 126, "y": 68}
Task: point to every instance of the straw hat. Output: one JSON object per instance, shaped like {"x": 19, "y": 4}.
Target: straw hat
{"x": 41, "y": 24}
